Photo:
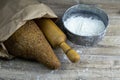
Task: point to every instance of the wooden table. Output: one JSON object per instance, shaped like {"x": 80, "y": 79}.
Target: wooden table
{"x": 101, "y": 62}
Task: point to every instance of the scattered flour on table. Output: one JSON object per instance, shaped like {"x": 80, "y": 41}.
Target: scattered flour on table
{"x": 38, "y": 77}
{"x": 84, "y": 26}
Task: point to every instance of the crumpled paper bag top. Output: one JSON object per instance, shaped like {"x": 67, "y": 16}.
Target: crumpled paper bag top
{"x": 15, "y": 13}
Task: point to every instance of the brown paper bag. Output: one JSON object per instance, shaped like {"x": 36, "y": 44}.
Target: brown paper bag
{"x": 14, "y": 14}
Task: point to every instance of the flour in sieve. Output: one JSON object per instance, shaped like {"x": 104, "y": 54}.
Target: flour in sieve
{"x": 84, "y": 26}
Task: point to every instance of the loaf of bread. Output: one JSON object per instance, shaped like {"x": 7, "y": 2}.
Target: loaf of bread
{"x": 29, "y": 42}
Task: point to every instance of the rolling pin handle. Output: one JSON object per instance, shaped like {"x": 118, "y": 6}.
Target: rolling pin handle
{"x": 71, "y": 54}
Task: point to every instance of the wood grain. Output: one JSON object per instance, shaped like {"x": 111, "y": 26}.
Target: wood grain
{"x": 101, "y": 62}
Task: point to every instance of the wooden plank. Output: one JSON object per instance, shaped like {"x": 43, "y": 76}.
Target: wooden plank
{"x": 107, "y": 42}
{"x": 87, "y": 61}
{"x": 110, "y": 6}
{"x": 108, "y": 2}
{"x": 100, "y": 74}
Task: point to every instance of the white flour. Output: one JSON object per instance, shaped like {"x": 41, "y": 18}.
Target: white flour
{"x": 84, "y": 26}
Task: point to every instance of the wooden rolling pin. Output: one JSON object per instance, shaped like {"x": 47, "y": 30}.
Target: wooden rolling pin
{"x": 57, "y": 38}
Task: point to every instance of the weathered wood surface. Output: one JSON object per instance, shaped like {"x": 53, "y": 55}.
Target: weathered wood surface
{"x": 101, "y": 62}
